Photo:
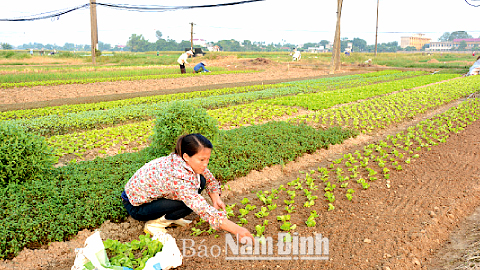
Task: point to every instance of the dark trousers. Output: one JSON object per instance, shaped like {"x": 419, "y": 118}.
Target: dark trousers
{"x": 172, "y": 209}
{"x": 182, "y": 69}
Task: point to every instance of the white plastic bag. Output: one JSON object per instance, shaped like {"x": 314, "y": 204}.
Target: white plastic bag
{"x": 169, "y": 257}
{"x": 94, "y": 256}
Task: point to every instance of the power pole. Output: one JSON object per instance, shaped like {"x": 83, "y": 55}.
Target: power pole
{"x": 335, "y": 65}
{"x": 376, "y": 31}
{"x": 94, "y": 29}
{"x": 191, "y": 35}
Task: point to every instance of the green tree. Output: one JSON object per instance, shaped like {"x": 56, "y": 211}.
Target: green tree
{"x": 445, "y": 37}
{"x": 137, "y": 43}
{"x": 384, "y": 47}
{"x": 104, "y": 46}
{"x": 462, "y": 46}
{"x": 158, "y": 34}
{"x": 324, "y": 43}
{"x": 6, "y": 46}
{"x": 229, "y": 45}
{"x": 359, "y": 45}
{"x": 309, "y": 44}
{"x": 458, "y": 35}
{"x": 69, "y": 46}
{"x": 410, "y": 48}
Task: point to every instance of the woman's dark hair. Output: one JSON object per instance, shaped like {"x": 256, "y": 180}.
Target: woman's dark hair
{"x": 191, "y": 144}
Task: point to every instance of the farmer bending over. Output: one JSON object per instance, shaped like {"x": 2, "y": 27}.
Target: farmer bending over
{"x": 167, "y": 189}
{"x": 200, "y": 67}
{"x": 182, "y": 60}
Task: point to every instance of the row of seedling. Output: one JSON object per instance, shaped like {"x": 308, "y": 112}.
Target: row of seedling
{"x": 357, "y": 169}
{"x": 382, "y": 112}
{"x": 379, "y": 160}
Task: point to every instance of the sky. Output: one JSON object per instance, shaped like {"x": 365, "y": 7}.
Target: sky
{"x": 269, "y": 21}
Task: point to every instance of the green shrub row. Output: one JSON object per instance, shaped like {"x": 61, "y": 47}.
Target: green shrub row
{"x": 244, "y": 149}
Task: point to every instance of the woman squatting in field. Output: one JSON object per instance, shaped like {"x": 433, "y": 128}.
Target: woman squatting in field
{"x": 167, "y": 189}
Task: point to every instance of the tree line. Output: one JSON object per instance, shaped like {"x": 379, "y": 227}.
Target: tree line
{"x": 138, "y": 43}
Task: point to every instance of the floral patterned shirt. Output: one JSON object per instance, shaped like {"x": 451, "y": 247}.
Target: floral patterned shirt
{"x": 172, "y": 178}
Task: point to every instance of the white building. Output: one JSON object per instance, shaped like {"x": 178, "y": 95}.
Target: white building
{"x": 318, "y": 49}
{"x": 439, "y": 46}
{"x": 199, "y": 42}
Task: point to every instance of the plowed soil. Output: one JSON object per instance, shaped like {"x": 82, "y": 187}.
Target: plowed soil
{"x": 430, "y": 204}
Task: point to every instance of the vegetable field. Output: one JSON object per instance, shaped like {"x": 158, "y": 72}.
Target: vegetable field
{"x": 386, "y": 200}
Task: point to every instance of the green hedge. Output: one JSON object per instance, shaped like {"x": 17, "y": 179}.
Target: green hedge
{"x": 244, "y": 149}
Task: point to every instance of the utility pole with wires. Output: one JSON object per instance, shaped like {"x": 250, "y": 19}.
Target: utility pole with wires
{"x": 376, "y": 31}
{"x": 191, "y": 35}
{"x": 335, "y": 65}
{"x": 94, "y": 29}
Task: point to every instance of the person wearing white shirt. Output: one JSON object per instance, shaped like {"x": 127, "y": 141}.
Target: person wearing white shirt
{"x": 182, "y": 60}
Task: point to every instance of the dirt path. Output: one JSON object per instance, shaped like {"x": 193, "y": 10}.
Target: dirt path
{"x": 404, "y": 227}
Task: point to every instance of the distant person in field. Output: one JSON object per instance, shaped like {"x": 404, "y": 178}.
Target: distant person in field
{"x": 297, "y": 55}
{"x": 182, "y": 60}
{"x": 200, "y": 67}
{"x": 167, "y": 189}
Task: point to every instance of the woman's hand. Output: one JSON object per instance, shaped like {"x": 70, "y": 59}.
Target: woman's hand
{"x": 241, "y": 233}
{"x": 217, "y": 201}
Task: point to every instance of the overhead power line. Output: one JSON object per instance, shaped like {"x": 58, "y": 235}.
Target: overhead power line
{"x": 472, "y": 4}
{"x": 157, "y": 8}
{"x": 138, "y": 8}
{"x": 45, "y": 15}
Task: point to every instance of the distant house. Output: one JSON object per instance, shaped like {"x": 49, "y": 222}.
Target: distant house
{"x": 121, "y": 47}
{"x": 200, "y": 42}
{"x": 453, "y": 45}
{"x": 440, "y": 46}
{"x": 471, "y": 43}
{"x": 318, "y": 49}
{"x": 215, "y": 48}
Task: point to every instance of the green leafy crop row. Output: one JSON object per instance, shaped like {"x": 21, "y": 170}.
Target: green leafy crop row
{"x": 108, "y": 105}
{"x": 365, "y": 116}
{"x": 334, "y": 81}
{"x": 379, "y": 113}
{"x": 322, "y": 100}
{"x": 64, "y": 123}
